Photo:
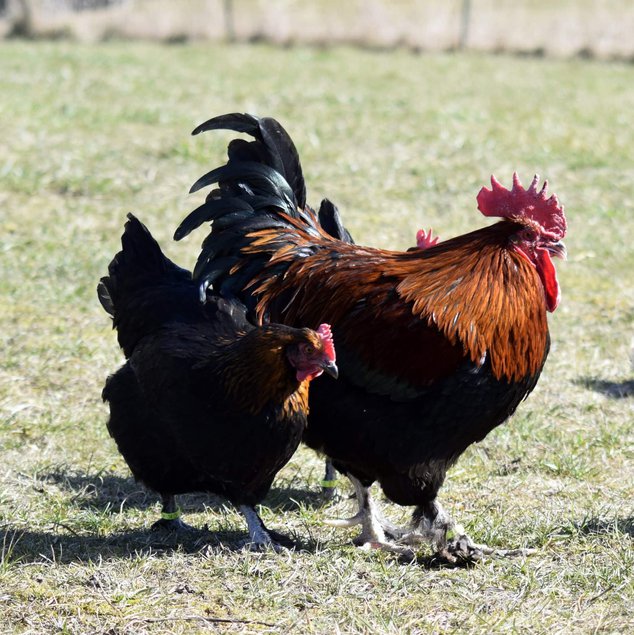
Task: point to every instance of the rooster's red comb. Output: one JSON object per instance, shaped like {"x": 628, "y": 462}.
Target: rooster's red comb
{"x": 325, "y": 335}
{"x": 519, "y": 204}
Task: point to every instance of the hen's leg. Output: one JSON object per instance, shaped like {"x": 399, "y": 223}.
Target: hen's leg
{"x": 329, "y": 482}
{"x": 261, "y": 538}
{"x": 170, "y": 517}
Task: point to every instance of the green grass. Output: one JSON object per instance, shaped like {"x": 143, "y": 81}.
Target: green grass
{"x": 399, "y": 142}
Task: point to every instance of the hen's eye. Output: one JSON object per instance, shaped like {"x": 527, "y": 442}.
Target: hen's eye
{"x": 308, "y": 349}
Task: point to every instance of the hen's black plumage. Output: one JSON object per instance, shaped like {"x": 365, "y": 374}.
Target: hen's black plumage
{"x": 206, "y": 401}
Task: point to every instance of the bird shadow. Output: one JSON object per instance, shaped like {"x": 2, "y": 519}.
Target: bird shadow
{"x": 612, "y": 389}
{"x": 111, "y": 493}
{"x": 64, "y": 547}
{"x": 605, "y": 526}
{"x": 289, "y": 499}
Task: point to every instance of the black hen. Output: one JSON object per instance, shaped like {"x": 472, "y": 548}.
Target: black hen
{"x": 206, "y": 401}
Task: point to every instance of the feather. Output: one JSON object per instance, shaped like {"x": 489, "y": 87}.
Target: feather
{"x": 278, "y": 150}
{"x": 330, "y": 221}
{"x": 260, "y": 178}
{"x": 208, "y": 212}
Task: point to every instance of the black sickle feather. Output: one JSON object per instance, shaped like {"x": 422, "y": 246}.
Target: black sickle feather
{"x": 240, "y": 122}
{"x": 278, "y": 149}
{"x": 253, "y": 194}
{"x": 209, "y": 211}
{"x": 330, "y": 221}
{"x": 259, "y": 178}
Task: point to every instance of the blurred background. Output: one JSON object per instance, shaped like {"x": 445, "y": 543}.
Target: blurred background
{"x": 589, "y": 28}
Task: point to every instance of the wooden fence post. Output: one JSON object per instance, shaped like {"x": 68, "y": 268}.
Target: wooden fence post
{"x": 465, "y": 20}
{"x": 230, "y": 31}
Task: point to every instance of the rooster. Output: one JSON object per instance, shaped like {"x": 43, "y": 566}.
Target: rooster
{"x": 206, "y": 401}
{"x": 437, "y": 345}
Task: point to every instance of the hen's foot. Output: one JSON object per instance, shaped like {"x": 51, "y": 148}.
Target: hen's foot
{"x": 260, "y": 538}
{"x": 506, "y": 553}
{"x": 282, "y": 540}
{"x": 462, "y": 550}
{"x": 170, "y": 518}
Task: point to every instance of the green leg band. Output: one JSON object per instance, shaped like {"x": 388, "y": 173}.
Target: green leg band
{"x": 455, "y": 532}
{"x": 329, "y": 483}
{"x": 171, "y": 515}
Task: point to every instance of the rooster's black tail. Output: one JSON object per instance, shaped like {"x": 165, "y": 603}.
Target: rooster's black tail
{"x": 260, "y": 188}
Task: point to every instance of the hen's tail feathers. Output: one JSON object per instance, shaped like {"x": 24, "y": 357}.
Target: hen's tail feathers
{"x": 143, "y": 288}
{"x": 260, "y": 189}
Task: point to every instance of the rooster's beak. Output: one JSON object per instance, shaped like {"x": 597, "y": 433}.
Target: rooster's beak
{"x": 331, "y": 369}
{"x": 558, "y": 250}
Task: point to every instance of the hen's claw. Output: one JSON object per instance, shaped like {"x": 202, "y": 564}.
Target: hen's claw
{"x": 506, "y": 553}
{"x": 461, "y": 550}
{"x": 402, "y": 551}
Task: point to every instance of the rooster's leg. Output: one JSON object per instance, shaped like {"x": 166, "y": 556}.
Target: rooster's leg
{"x": 261, "y": 538}
{"x": 376, "y": 532}
{"x": 170, "y": 517}
{"x": 433, "y": 525}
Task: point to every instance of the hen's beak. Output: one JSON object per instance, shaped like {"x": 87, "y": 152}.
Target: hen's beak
{"x": 558, "y": 250}
{"x": 331, "y": 369}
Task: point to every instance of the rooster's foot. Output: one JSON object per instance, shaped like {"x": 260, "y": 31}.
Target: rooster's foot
{"x": 404, "y": 552}
{"x": 374, "y": 528}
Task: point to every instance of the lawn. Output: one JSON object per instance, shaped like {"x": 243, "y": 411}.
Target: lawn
{"x": 398, "y": 141}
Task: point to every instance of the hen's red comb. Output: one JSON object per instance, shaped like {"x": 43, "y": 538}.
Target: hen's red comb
{"x": 425, "y": 240}
{"x": 325, "y": 335}
{"x": 519, "y": 204}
